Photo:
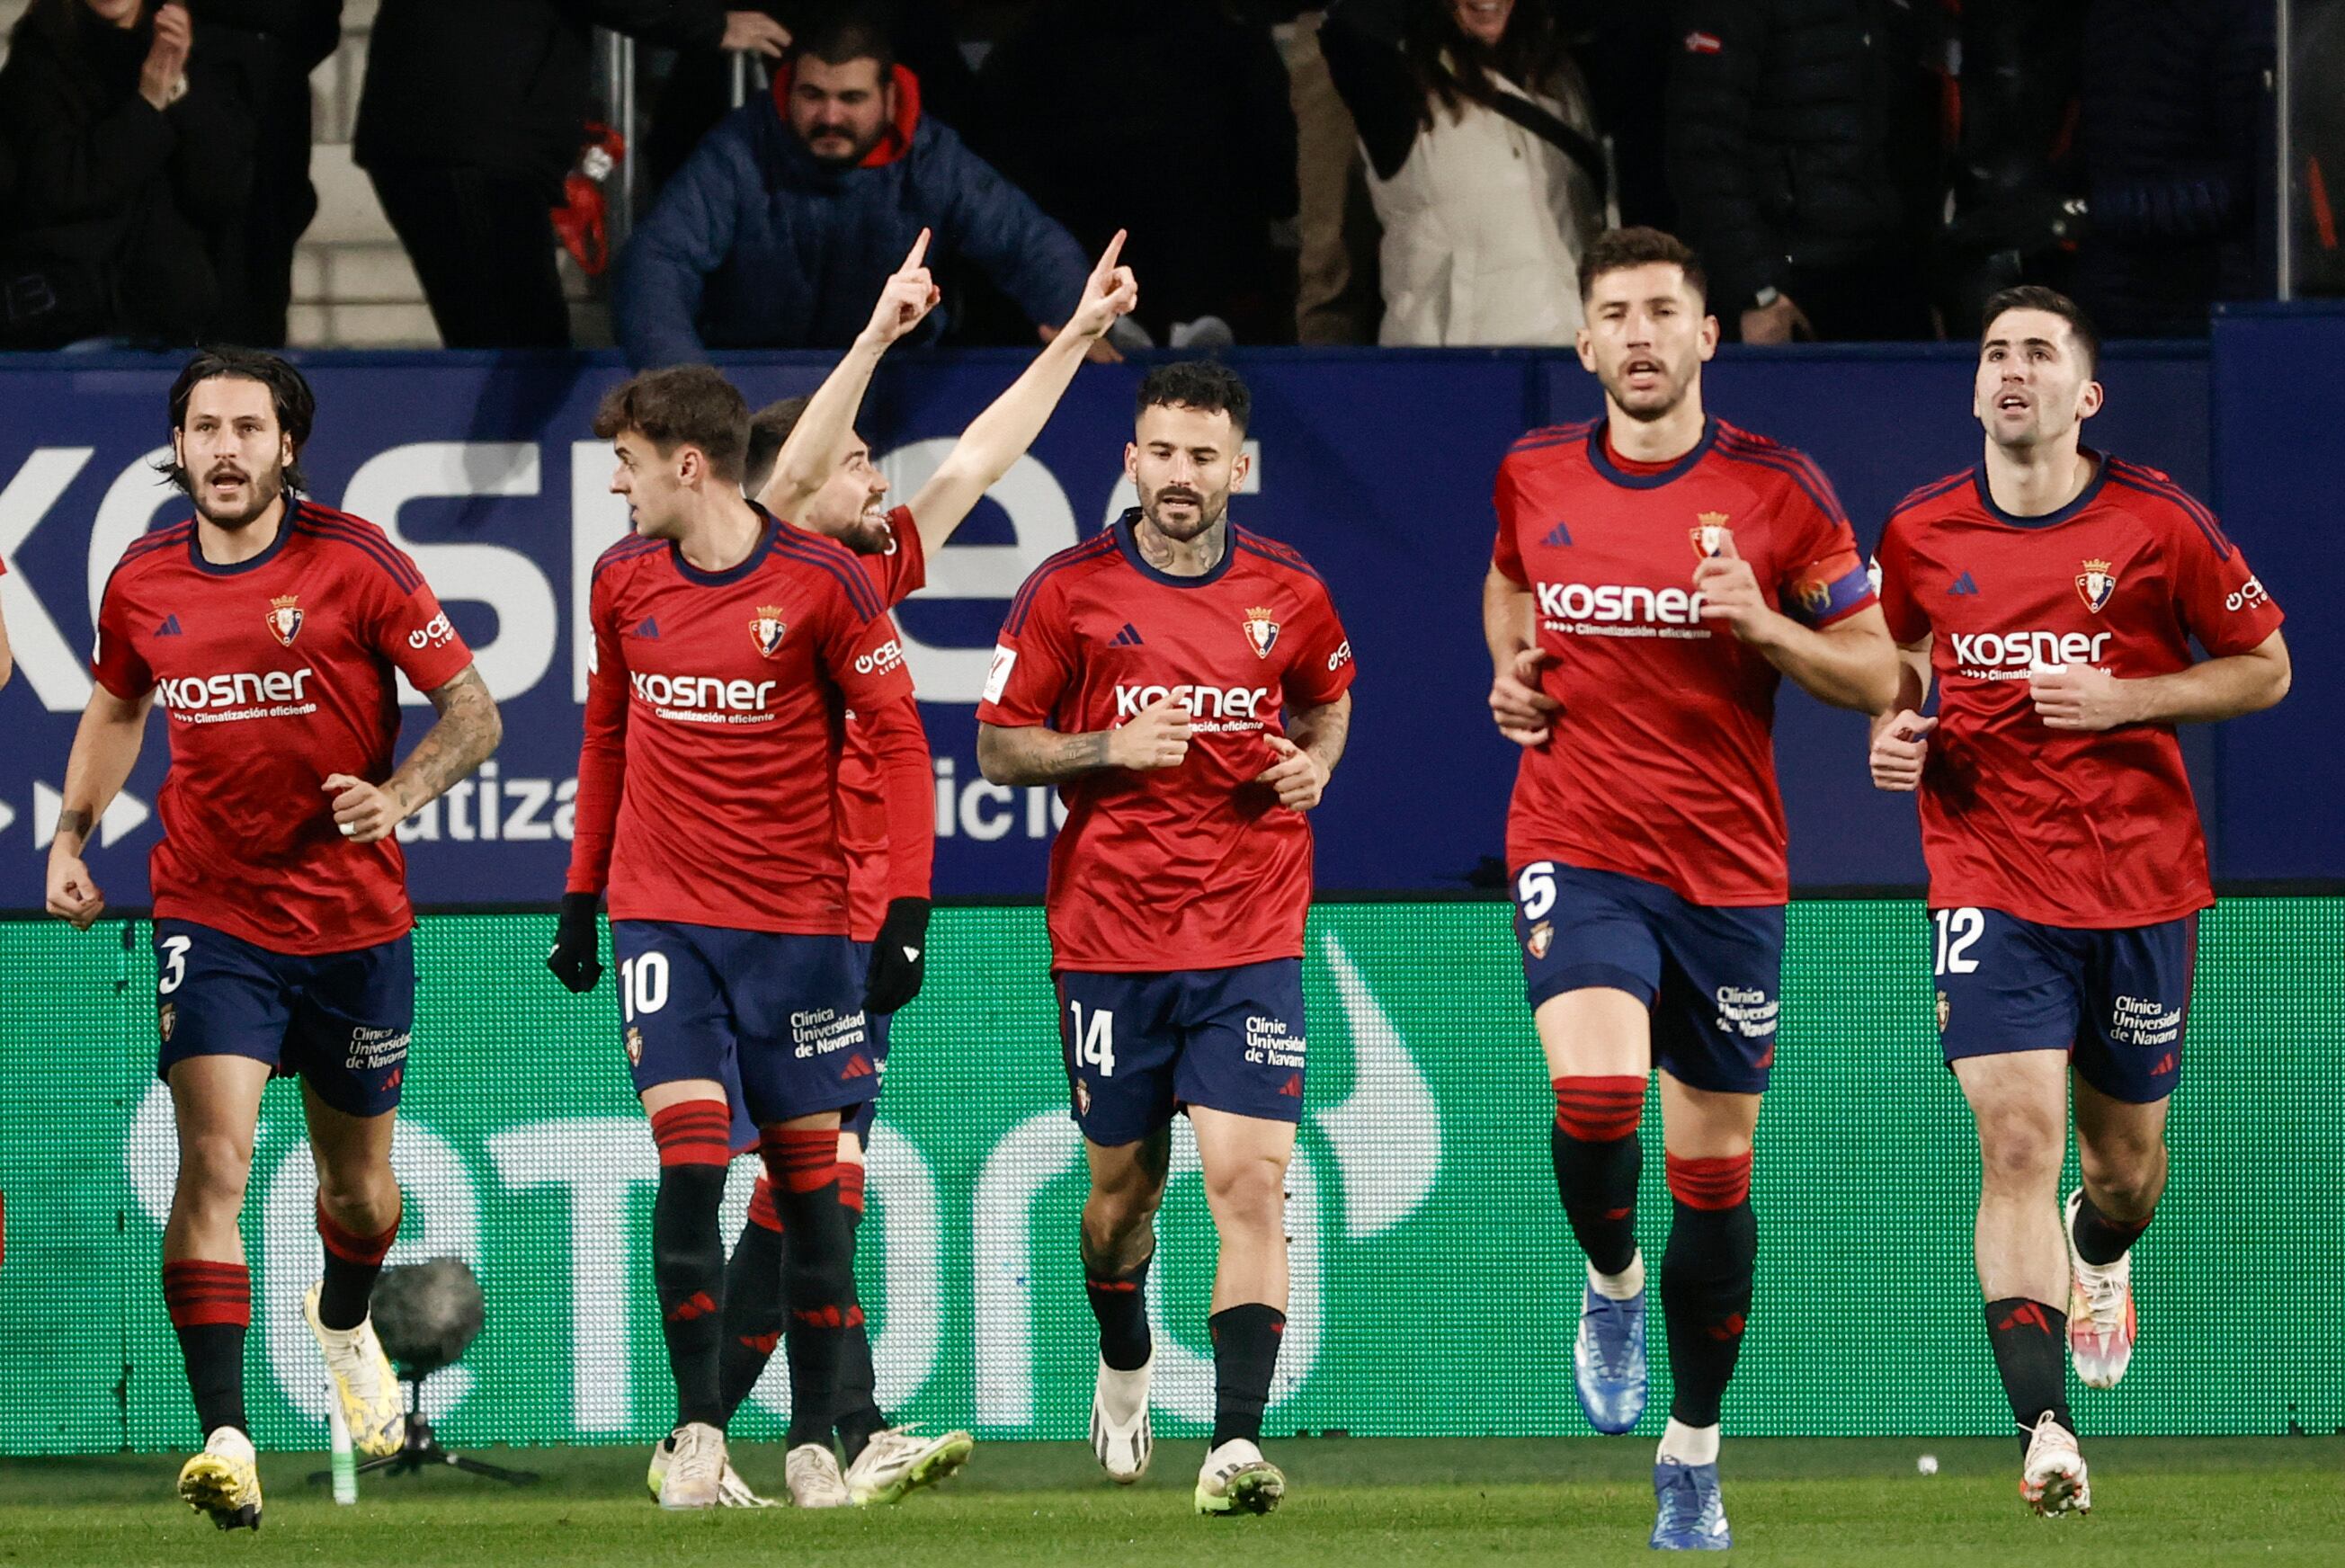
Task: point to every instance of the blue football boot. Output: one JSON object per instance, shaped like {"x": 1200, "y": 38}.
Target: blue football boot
{"x": 1608, "y": 1360}
{"x": 1689, "y": 1512}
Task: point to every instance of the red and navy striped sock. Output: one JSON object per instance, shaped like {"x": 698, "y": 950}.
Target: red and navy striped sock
{"x": 688, "y": 1250}
{"x": 859, "y": 1417}
{"x": 1598, "y": 1159}
{"x": 1706, "y": 1274}
{"x": 353, "y": 1263}
{"x": 210, "y": 1304}
{"x": 753, "y": 1298}
{"x": 818, "y": 1273}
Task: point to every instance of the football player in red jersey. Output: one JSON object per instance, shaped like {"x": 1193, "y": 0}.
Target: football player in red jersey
{"x": 272, "y": 629}
{"x": 728, "y": 647}
{"x": 1186, "y": 683}
{"x": 806, "y": 463}
{"x": 1657, "y": 573}
{"x": 2052, "y": 591}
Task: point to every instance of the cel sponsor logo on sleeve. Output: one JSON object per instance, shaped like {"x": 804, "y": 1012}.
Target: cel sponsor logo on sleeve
{"x": 888, "y": 656}
{"x": 2248, "y": 595}
{"x": 434, "y": 633}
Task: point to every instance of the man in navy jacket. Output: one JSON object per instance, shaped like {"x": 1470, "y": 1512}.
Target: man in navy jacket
{"x": 789, "y": 217}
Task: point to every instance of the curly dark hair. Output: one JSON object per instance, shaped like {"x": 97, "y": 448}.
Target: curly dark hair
{"x": 289, "y": 394}
{"x": 1204, "y": 384}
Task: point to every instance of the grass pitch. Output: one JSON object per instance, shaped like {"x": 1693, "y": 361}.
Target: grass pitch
{"x": 1352, "y": 1501}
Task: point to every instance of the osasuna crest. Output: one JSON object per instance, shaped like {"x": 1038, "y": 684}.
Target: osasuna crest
{"x": 2096, "y": 582}
{"x": 1541, "y": 938}
{"x": 766, "y": 630}
{"x": 285, "y": 618}
{"x": 1261, "y": 631}
{"x": 635, "y": 1038}
{"x": 166, "y": 1016}
{"x": 1945, "y": 1010}
{"x": 1709, "y": 534}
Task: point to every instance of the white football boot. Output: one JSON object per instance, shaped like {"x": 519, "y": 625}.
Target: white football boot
{"x": 898, "y": 1461}
{"x": 2101, "y": 1325}
{"x": 696, "y": 1467}
{"x": 1236, "y": 1479}
{"x": 1120, "y": 1429}
{"x": 2052, "y": 1479}
{"x": 811, "y": 1473}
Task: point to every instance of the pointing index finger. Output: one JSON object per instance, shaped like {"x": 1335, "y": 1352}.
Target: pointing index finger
{"x": 918, "y": 254}
{"x": 1106, "y": 268}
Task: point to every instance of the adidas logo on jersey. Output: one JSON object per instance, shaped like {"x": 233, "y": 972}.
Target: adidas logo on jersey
{"x": 1964, "y": 586}
{"x": 169, "y": 627}
{"x": 1558, "y": 536}
{"x": 648, "y": 630}
{"x": 1127, "y": 638}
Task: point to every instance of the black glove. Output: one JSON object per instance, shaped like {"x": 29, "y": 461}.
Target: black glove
{"x": 900, "y": 957}
{"x": 574, "y": 957}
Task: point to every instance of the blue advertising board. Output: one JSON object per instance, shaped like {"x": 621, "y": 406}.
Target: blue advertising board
{"x": 1375, "y": 464}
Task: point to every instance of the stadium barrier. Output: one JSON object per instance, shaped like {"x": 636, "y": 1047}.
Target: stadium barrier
{"x": 1378, "y": 465}
{"x": 1434, "y": 1283}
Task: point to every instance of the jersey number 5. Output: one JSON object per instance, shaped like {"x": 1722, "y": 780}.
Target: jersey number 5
{"x": 1094, "y": 1042}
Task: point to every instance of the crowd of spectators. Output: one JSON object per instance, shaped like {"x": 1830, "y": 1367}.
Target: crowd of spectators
{"x": 1404, "y": 172}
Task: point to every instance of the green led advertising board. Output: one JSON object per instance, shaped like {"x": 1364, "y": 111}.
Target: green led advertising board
{"x": 1435, "y": 1285}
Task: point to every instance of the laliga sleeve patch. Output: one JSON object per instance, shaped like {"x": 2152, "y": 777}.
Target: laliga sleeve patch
{"x": 997, "y": 679}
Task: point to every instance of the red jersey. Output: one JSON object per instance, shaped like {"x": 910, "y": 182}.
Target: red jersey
{"x": 1195, "y": 866}
{"x": 2099, "y": 830}
{"x": 715, "y": 711}
{"x": 1660, "y": 764}
{"x": 872, "y": 877}
{"x": 274, "y": 673}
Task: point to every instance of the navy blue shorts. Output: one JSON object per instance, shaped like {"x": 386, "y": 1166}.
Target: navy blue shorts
{"x": 1711, "y": 975}
{"x": 340, "y": 1020}
{"x": 1141, "y": 1046}
{"x": 858, "y": 1121}
{"x": 2115, "y": 1000}
{"x": 776, "y": 1018}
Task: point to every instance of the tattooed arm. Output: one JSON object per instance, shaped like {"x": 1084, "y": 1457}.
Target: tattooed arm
{"x": 468, "y": 731}
{"x": 1155, "y": 737}
{"x": 104, "y": 749}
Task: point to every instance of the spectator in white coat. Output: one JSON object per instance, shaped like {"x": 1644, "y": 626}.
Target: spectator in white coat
{"x": 1483, "y": 164}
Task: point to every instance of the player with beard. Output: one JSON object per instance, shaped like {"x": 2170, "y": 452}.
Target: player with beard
{"x": 806, "y": 463}
{"x": 1186, "y": 683}
{"x": 1657, "y": 573}
{"x": 2053, "y": 593}
{"x": 273, "y": 629}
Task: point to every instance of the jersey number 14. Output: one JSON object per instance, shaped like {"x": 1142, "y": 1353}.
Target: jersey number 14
{"x": 1094, "y": 1041}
